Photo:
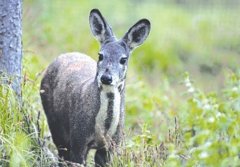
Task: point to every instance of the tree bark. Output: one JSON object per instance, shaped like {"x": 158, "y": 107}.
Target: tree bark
{"x": 11, "y": 41}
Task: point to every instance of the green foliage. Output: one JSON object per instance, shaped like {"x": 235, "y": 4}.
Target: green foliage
{"x": 15, "y": 144}
{"x": 22, "y": 127}
{"x": 210, "y": 126}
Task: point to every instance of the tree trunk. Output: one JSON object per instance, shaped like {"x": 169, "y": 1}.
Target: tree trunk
{"x": 10, "y": 41}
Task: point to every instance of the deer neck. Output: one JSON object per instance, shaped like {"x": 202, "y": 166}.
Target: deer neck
{"x": 108, "y": 115}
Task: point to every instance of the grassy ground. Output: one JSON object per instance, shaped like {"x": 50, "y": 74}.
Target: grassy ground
{"x": 183, "y": 85}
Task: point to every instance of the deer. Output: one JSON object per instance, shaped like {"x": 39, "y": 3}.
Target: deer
{"x": 84, "y": 99}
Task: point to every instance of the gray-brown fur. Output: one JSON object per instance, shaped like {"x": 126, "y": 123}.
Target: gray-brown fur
{"x": 84, "y": 100}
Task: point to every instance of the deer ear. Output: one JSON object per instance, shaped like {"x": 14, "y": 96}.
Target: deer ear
{"x": 99, "y": 27}
{"x": 137, "y": 34}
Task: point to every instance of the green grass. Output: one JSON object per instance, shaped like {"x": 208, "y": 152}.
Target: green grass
{"x": 173, "y": 118}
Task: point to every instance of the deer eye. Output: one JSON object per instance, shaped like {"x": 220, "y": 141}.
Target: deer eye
{"x": 123, "y": 60}
{"x": 100, "y": 58}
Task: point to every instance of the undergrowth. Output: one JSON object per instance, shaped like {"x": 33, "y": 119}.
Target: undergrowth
{"x": 24, "y": 140}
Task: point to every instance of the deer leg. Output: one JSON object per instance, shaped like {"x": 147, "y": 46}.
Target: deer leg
{"x": 102, "y": 157}
{"x": 79, "y": 147}
{"x": 78, "y": 154}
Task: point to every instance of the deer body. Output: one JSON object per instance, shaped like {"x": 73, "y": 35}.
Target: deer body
{"x": 84, "y": 99}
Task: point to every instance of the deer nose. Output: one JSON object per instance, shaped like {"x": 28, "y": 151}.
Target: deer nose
{"x": 106, "y": 79}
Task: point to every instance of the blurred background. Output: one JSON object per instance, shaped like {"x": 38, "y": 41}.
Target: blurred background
{"x": 198, "y": 37}
{"x": 201, "y": 37}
